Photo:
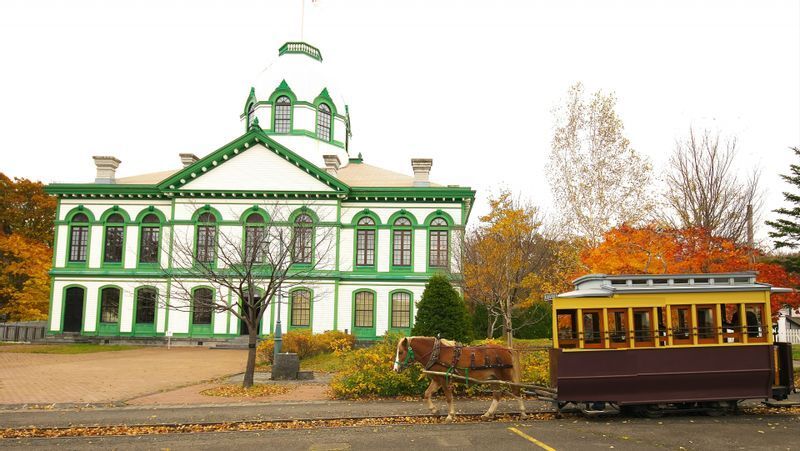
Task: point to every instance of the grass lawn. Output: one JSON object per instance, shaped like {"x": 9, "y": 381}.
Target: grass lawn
{"x": 796, "y": 352}
{"x": 326, "y": 363}
{"x": 72, "y": 348}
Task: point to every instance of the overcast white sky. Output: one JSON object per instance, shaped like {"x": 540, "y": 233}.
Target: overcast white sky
{"x": 470, "y": 84}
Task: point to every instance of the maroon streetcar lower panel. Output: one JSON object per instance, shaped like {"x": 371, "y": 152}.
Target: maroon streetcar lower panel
{"x": 664, "y": 375}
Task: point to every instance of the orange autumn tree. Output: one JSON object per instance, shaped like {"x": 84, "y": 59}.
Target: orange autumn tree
{"x": 652, "y": 249}
{"x": 24, "y": 278}
{"x": 26, "y": 236}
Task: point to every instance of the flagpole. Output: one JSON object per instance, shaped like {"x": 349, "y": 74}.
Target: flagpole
{"x": 302, "y": 18}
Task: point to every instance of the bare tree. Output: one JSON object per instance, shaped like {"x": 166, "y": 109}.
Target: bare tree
{"x": 704, "y": 191}
{"x": 255, "y": 264}
{"x": 598, "y": 181}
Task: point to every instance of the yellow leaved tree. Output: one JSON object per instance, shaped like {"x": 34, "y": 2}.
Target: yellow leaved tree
{"x": 511, "y": 260}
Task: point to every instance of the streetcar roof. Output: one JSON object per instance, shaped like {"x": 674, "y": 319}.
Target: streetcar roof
{"x": 603, "y": 285}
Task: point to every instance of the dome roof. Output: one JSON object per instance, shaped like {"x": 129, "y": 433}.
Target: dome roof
{"x": 303, "y": 69}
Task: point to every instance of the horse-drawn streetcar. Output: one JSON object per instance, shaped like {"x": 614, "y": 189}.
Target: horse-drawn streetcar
{"x": 642, "y": 343}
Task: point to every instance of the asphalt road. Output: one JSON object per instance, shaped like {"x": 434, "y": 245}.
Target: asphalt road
{"x": 678, "y": 432}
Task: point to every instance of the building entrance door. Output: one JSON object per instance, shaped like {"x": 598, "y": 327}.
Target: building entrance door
{"x": 73, "y": 309}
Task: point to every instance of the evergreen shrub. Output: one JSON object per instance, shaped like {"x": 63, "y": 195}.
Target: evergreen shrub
{"x": 442, "y": 311}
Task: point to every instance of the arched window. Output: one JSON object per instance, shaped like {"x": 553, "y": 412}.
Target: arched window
{"x": 149, "y": 239}
{"x": 365, "y": 242}
{"x": 109, "y": 305}
{"x": 401, "y": 310}
{"x": 206, "y": 237}
{"x": 255, "y": 240}
{"x": 115, "y": 231}
{"x": 78, "y": 237}
{"x": 283, "y": 115}
{"x": 324, "y": 122}
{"x": 364, "y": 309}
{"x": 401, "y": 242}
{"x": 303, "y": 236}
{"x": 439, "y": 244}
{"x": 301, "y": 308}
{"x": 146, "y": 305}
{"x": 202, "y": 306}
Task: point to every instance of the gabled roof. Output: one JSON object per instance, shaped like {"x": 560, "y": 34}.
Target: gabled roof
{"x": 240, "y": 145}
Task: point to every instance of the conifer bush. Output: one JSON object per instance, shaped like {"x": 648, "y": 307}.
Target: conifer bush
{"x": 442, "y": 311}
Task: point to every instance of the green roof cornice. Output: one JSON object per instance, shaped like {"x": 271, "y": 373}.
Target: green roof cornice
{"x": 301, "y": 48}
{"x": 98, "y": 190}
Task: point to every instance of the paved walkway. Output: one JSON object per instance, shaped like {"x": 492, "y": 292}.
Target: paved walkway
{"x": 109, "y": 376}
{"x": 153, "y": 415}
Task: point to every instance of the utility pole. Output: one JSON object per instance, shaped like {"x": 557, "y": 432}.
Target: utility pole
{"x": 750, "y": 240}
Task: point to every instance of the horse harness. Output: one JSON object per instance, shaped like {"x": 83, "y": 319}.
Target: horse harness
{"x": 458, "y": 349}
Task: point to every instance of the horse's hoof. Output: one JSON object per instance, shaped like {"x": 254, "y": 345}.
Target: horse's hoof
{"x": 486, "y": 416}
{"x": 449, "y": 419}
{"x": 523, "y": 416}
{"x": 434, "y": 411}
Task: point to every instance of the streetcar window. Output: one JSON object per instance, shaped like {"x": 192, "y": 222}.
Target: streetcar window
{"x": 662, "y": 325}
{"x": 754, "y": 316}
{"x": 567, "y": 322}
{"x": 681, "y": 324}
{"x": 706, "y": 324}
{"x": 618, "y": 328}
{"x": 643, "y": 327}
{"x": 593, "y": 329}
{"x": 731, "y": 325}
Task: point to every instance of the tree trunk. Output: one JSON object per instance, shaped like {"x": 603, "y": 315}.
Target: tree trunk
{"x": 251, "y": 355}
{"x": 508, "y": 327}
{"x": 489, "y": 324}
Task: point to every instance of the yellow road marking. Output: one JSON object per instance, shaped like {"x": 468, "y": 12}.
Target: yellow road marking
{"x": 531, "y": 439}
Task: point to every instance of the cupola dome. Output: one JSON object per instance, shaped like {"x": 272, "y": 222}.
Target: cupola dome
{"x": 296, "y": 100}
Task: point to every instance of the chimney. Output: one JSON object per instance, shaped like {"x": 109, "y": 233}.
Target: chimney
{"x": 422, "y": 168}
{"x": 332, "y": 164}
{"x": 188, "y": 159}
{"x": 106, "y": 169}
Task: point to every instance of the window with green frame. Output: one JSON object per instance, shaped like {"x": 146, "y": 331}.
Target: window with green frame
{"x": 114, "y": 238}
{"x": 401, "y": 310}
{"x": 439, "y": 245}
{"x": 202, "y": 306}
{"x": 206, "y": 238}
{"x": 365, "y": 242}
{"x": 401, "y": 242}
{"x": 301, "y": 308}
{"x": 302, "y": 240}
{"x": 109, "y": 305}
{"x": 364, "y": 309}
{"x": 324, "y": 122}
{"x": 146, "y": 305}
{"x": 282, "y": 115}
{"x": 78, "y": 238}
{"x": 255, "y": 239}
{"x": 149, "y": 238}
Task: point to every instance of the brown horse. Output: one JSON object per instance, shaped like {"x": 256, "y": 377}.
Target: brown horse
{"x": 479, "y": 363}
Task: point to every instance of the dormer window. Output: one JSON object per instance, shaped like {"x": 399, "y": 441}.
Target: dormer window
{"x": 283, "y": 115}
{"x": 324, "y": 122}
